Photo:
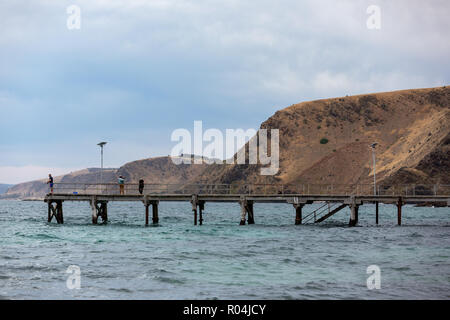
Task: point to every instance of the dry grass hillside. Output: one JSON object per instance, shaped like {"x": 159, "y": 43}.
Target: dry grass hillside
{"x": 160, "y": 170}
{"x": 410, "y": 126}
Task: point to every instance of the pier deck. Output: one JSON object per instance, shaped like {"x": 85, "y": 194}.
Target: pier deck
{"x": 99, "y": 195}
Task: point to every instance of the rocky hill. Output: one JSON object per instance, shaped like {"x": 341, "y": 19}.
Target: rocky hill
{"x": 161, "y": 170}
{"x": 327, "y": 142}
{"x": 411, "y": 128}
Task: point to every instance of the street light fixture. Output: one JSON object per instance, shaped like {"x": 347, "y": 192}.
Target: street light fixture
{"x": 101, "y": 144}
{"x": 373, "y": 145}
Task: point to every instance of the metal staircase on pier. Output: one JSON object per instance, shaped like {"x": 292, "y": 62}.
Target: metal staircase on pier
{"x": 323, "y": 212}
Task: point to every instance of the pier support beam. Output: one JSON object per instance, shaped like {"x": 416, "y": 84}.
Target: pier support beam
{"x": 55, "y": 209}
{"x": 155, "y": 218}
{"x": 243, "y": 213}
{"x": 298, "y": 204}
{"x": 376, "y": 212}
{"x": 354, "y": 204}
{"x": 197, "y": 207}
{"x": 399, "y": 211}
{"x": 94, "y": 211}
{"x": 194, "y": 202}
{"x": 354, "y": 208}
{"x": 251, "y": 217}
{"x": 201, "y": 207}
{"x": 154, "y": 204}
{"x": 246, "y": 208}
{"x": 298, "y": 213}
{"x": 99, "y": 209}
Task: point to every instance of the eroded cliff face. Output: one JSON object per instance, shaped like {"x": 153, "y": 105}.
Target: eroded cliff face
{"x": 411, "y": 128}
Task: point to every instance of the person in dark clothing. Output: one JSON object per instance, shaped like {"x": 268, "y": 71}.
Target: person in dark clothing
{"x": 50, "y": 182}
{"x": 141, "y": 186}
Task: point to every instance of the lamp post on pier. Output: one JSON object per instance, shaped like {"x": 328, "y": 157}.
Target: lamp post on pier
{"x": 101, "y": 144}
{"x": 373, "y": 145}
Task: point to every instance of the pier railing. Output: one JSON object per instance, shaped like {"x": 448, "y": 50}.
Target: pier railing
{"x": 255, "y": 189}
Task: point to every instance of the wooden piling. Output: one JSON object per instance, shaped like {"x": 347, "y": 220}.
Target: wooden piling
{"x": 155, "y": 218}
{"x": 399, "y": 211}
{"x": 55, "y": 209}
{"x": 243, "y": 213}
{"x": 99, "y": 209}
{"x": 298, "y": 213}
{"x": 94, "y": 210}
{"x": 103, "y": 210}
{"x": 376, "y": 212}
{"x": 50, "y": 215}
{"x": 249, "y": 208}
{"x": 59, "y": 212}
{"x": 194, "y": 202}
{"x": 353, "y": 215}
{"x": 201, "y": 207}
{"x": 246, "y": 209}
{"x": 146, "y": 213}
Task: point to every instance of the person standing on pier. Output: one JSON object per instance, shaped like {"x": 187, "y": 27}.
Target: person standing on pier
{"x": 141, "y": 186}
{"x": 121, "y": 182}
{"x": 50, "y": 182}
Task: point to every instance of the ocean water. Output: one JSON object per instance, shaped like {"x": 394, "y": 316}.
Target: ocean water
{"x": 273, "y": 259}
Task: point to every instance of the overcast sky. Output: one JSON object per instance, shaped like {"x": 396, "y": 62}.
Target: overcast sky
{"x": 137, "y": 70}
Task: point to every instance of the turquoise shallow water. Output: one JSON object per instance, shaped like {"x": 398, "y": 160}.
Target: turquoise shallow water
{"x": 273, "y": 259}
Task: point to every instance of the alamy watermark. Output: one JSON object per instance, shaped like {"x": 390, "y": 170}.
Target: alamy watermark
{"x": 374, "y": 280}
{"x": 190, "y": 148}
{"x": 74, "y": 18}
{"x": 374, "y": 20}
{"x": 74, "y": 279}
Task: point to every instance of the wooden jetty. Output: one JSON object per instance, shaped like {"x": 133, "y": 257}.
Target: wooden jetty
{"x": 332, "y": 198}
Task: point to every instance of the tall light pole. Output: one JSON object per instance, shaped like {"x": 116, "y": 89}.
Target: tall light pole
{"x": 373, "y": 145}
{"x": 101, "y": 144}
